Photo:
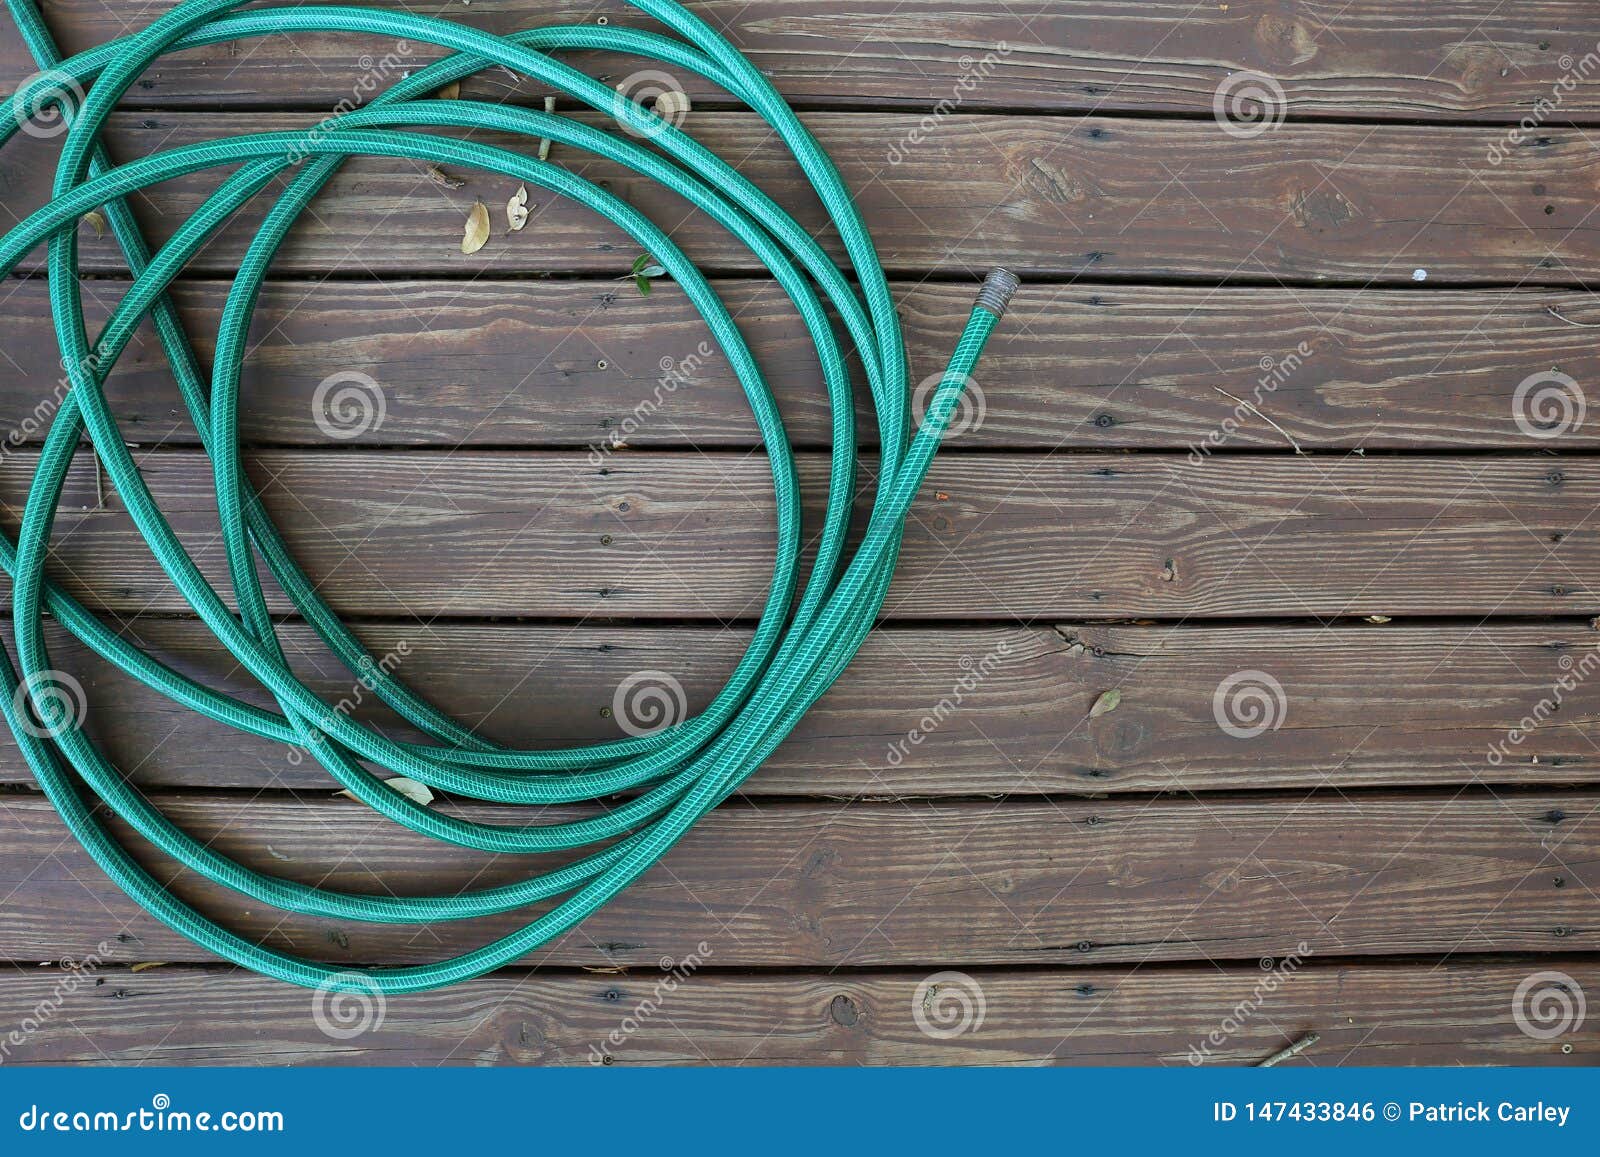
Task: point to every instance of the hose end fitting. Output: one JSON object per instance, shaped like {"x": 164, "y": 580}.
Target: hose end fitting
{"x": 997, "y": 289}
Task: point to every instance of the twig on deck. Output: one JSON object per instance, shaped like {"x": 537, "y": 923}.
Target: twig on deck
{"x": 1254, "y": 410}
{"x": 544, "y": 142}
{"x": 1293, "y": 1050}
{"x": 1559, "y": 316}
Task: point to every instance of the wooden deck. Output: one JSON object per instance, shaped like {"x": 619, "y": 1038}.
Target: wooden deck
{"x": 1149, "y": 885}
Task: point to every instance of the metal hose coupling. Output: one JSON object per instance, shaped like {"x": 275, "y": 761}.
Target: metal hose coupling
{"x": 997, "y": 289}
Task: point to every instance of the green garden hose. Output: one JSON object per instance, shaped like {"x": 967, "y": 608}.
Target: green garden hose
{"x": 806, "y": 634}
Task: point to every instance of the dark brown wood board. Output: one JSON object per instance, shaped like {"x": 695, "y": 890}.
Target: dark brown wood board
{"x": 1409, "y": 1014}
{"x": 1011, "y": 537}
{"x": 1377, "y": 59}
{"x": 517, "y": 364}
{"x": 837, "y": 885}
{"x": 1055, "y": 197}
{"x": 1359, "y": 706}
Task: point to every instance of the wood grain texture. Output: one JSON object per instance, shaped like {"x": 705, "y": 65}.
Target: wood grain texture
{"x": 1012, "y": 537}
{"x": 1000, "y": 711}
{"x": 1051, "y": 196}
{"x": 1456, "y": 1013}
{"x": 808, "y": 885}
{"x": 1371, "y": 58}
{"x": 466, "y": 363}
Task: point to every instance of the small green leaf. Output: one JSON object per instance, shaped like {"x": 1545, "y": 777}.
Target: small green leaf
{"x": 1107, "y": 703}
{"x": 642, "y": 284}
{"x": 645, "y": 266}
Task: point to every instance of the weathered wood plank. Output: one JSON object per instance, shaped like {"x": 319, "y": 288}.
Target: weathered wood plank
{"x": 1371, "y": 58}
{"x": 1012, "y": 537}
{"x": 803, "y": 885}
{"x": 1052, "y": 196}
{"x": 1416, "y": 1014}
{"x": 517, "y": 364}
{"x": 957, "y": 711}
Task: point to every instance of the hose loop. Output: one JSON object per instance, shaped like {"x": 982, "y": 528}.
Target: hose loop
{"x": 808, "y": 629}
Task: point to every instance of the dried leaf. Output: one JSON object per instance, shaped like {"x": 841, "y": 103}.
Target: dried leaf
{"x": 439, "y": 177}
{"x": 145, "y": 966}
{"x": 1107, "y": 703}
{"x": 672, "y": 106}
{"x": 96, "y": 221}
{"x": 411, "y": 789}
{"x": 517, "y": 209}
{"x": 1378, "y": 618}
{"x": 451, "y": 91}
{"x": 477, "y": 230}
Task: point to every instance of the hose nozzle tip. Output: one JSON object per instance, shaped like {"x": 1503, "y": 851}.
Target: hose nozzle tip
{"x": 997, "y": 289}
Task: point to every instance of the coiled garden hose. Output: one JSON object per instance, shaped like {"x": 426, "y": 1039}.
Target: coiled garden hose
{"x": 806, "y": 633}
